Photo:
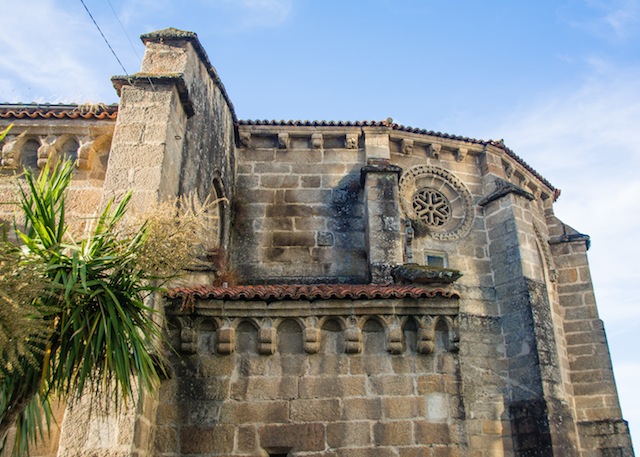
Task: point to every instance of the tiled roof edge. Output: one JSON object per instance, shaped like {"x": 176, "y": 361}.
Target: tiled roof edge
{"x": 56, "y": 111}
{"x": 408, "y": 129}
{"x": 309, "y": 292}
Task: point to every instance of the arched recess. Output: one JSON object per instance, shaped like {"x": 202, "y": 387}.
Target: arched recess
{"x": 442, "y": 341}
{"x": 332, "y": 337}
{"x": 214, "y": 231}
{"x": 69, "y": 149}
{"x": 289, "y": 337}
{"x": 374, "y": 339}
{"x": 246, "y": 338}
{"x": 29, "y": 154}
{"x": 410, "y": 335}
{"x": 207, "y": 336}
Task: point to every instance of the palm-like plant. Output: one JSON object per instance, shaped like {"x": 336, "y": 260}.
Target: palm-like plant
{"x": 100, "y": 337}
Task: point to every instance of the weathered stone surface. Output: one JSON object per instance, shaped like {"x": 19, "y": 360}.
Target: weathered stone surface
{"x": 517, "y": 366}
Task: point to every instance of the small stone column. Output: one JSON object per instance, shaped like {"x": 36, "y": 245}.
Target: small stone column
{"x": 384, "y": 235}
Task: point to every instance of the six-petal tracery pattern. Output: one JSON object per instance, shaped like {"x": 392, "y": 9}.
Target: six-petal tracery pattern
{"x": 432, "y": 207}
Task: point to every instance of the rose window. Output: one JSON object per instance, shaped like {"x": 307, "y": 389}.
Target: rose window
{"x": 432, "y": 207}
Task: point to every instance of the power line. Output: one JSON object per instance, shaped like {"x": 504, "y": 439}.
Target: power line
{"x": 104, "y": 37}
{"x": 124, "y": 30}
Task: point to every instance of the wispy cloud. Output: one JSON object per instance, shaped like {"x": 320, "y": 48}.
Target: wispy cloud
{"x": 53, "y": 54}
{"x": 585, "y": 141}
{"x": 615, "y": 20}
{"x": 247, "y": 14}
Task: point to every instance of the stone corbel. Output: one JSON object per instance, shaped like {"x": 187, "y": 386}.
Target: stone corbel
{"x": 311, "y": 340}
{"x": 245, "y": 139}
{"x": 454, "y": 335}
{"x": 395, "y": 340}
{"x": 226, "y": 340}
{"x": 524, "y": 182}
{"x": 509, "y": 170}
{"x": 188, "y": 339}
{"x": 85, "y": 154}
{"x": 46, "y": 150}
{"x": 461, "y": 153}
{"x": 284, "y": 142}
{"x": 267, "y": 341}
{"x": 9, "y": 151}
{"x": 433, "y": 150}
{"x": 317, "y": 141}
{"x": 353, "y": 338}
{"x": 407, "y": 146}
{"x": 351, "y": 141}
{"x": 426, "y": 336}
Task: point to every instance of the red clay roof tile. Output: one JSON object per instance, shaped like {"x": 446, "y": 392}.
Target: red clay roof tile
{"x": 37, "y": 111}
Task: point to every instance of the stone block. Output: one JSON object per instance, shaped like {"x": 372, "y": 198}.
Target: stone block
{"x": 432, "y": 433}
{"x": 332, "y": 386}
{"x": 255, "y": 411}
{"x": 312, "y": 410}
{"x": 396, "y": 433}
{"x": 297, "y": 437}
{"x": 377, "y": 451}
{"x": 279, "y": 181}
{"x": 246, "y": 439}
{"x": 403, "y": 407}
{"x": 361, "y": 408}
{"x": 391, "y": 385}
{"x": 349, "y": 434}
{"x": 216, "y": 439}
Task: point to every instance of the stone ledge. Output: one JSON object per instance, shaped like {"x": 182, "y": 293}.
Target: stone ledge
{"x": 424, "y": 274}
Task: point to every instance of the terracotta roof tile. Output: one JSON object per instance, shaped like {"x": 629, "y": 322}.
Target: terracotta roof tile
{"x": 38, "y": 111}
{"x": 45, "y": 111}
{"x": 408, "y": 129}
{"x": 308, "y": 292}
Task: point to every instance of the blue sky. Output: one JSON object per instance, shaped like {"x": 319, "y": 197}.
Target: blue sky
{"x": 559, "y": 81}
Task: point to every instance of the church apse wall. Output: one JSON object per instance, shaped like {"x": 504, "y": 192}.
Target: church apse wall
{"x": 401, "y": 292}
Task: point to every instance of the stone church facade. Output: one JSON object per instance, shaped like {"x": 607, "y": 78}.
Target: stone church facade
{"x": 402, "y": 292}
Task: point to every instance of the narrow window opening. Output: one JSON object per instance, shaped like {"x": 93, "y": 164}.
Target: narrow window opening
{"x": 435, "y": 259}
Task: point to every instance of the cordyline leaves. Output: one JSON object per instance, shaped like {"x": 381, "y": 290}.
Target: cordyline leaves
{"x": 91, "y": 329}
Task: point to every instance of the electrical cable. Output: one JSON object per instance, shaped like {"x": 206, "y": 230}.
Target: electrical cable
{"x": 124, "y": 30}
{"x": 105, "y": 38}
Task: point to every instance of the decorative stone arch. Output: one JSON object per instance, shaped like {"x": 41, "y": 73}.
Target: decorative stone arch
{"x": 289, "y": 335}
{"x": 208, "y": 334}
{"x": 410, "y": 327}
{"x": 27, "y": 153}
{"x": 67, "y": 147}
{"x": 332, "y": 338}
{"x": 374, "y": 335}
{"x": 247, "y": 333}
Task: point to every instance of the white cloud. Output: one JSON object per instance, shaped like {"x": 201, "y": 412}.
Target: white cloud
{"x": 587, "y": 142}
{"x": 55, "y": 54}
{"x": 247, "y": 14}
{"x": 614, "y": 21}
